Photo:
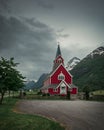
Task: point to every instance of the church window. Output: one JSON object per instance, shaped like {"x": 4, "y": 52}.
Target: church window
{"x": 61, "y": 76}
{"x": 59, "y": 60}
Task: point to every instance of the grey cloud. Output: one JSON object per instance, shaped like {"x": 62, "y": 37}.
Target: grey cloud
{"x": 31, "y": 47}
{"x": 61, "y": 33}
{"x": 5, "y": 6}
{"x": 45, "y": 4}
{"x": 34, "y": 22}
{"x": 10, "y": 31}
{"x": 5, "y": 33}
{"x": 102, "y": 44}
{"x": 15, "y": 7}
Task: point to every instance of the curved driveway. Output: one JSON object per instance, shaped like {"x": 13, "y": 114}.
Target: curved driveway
{"x": 75, "y": 115}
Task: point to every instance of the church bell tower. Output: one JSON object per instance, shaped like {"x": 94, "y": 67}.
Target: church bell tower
{"x": 58, "y": 59}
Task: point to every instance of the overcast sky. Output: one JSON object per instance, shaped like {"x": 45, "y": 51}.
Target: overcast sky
{"x": 30, "y": 30}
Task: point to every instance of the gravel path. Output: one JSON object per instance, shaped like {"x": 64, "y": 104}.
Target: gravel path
{"x": 75, "y": 115}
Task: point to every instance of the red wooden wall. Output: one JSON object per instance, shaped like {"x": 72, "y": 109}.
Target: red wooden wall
{"x": 54, "y": 77}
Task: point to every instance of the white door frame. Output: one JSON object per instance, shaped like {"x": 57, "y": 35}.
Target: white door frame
{"x": 63, "y": 88}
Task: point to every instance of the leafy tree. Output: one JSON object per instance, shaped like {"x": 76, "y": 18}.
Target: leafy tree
{"x": 86, "y": 89}
{"x": 10, "y": 78}
{"x": 68, "y": 95}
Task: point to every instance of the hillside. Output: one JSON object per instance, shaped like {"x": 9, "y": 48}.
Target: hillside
{"x": 39, "y": 83}
{"x": 90, "y": 71}
{"x": 35, "y": 85}
{"x": 72, "y": 63}
{"x": 29, "y": 85}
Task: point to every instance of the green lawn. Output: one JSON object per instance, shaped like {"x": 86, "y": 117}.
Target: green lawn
{"x": 98, "y": 92}
{"x": 10, "y": 120}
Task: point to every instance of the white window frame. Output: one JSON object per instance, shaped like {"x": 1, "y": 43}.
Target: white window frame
{"x": 61, "y": 76}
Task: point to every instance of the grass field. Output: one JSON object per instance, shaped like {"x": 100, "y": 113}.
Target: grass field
{"x": 98, "y": 92}
{"x": 10, "y": 120}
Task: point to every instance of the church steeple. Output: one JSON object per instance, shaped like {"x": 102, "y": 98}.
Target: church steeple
{"x": 58, "y": 53}
{"x": 58, "y": 59}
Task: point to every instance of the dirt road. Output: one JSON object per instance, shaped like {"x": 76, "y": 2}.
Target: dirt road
{"x": 75, "y": 115}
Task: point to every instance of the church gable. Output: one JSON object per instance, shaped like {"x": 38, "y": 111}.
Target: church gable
{"x": 61, "y": 70}
{"x": 64, "y": 84}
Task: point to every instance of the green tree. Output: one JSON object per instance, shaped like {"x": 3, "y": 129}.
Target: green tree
{"x": 10, "y": 78}
{"x": 86, "y": 89}
{"x": 68, "y": 95}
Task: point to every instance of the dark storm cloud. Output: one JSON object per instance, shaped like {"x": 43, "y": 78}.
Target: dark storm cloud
{"x": 10, "y": 31}
{"x": 44, "y": 4}
{"x": 16, "y": 7}
{"x": 34, "y": 22}
{"x": 61, "y": 33}
{"x": 5, "y": 6}
{"x": 29, "y": 41}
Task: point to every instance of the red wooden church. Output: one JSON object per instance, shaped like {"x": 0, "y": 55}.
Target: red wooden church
{"x": 59, "y": 81}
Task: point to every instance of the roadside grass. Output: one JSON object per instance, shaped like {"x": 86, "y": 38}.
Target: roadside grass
{"x": 33, "y": 95}
{"x": 40, "y": 97}
{"x": 98, "y": 92}
{"x": 10, "y": 120}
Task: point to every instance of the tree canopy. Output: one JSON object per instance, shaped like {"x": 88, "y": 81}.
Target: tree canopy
{"x": 10, "y": 78}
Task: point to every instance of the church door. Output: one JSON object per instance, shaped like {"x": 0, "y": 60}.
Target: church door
{"x": 63, "y": 89}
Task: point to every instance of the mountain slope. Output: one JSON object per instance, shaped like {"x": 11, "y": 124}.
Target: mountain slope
{"x": 35, "y": 85}
{"x": 72, "y": 63}
{"x": 40, "y": 81}
{"x": 90, "y": 71}
{"x": 29, "y": 85}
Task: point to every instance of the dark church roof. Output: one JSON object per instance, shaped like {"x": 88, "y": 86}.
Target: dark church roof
{"x": 58, "y": 53}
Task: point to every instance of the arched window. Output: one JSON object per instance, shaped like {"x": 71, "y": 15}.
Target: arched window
{"x": 61, "y": 76}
